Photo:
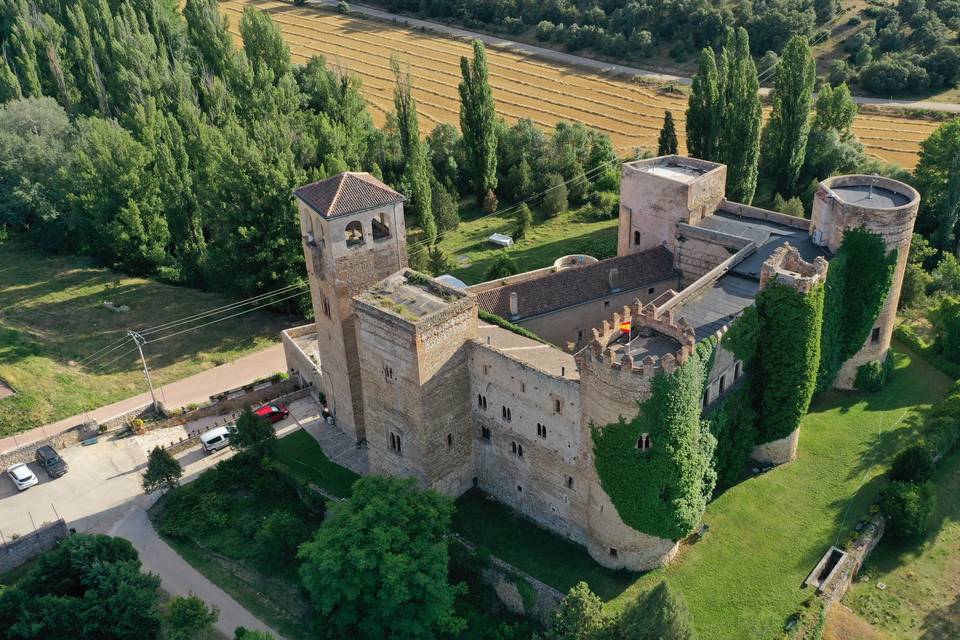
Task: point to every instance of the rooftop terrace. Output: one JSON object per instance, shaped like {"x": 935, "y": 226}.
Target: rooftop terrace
{"x": 410, "y": 295}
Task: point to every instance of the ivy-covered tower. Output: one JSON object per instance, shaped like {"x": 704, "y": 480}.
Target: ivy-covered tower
{"x": 886, "y": 208}
{"x": 636, "y": 511}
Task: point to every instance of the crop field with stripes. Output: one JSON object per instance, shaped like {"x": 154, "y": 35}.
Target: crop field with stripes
{"x": 523, "y": 86}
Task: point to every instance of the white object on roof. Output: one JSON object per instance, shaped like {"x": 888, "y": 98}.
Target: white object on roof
{"x": 500, "y": 240}
{"x": 450, "y": 281}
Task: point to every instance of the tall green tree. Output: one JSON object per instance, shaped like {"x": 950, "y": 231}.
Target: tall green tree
{"x": 378, "y": 568}
{"x": 255, "y": 435}
{"x": 661, "y": 615}
{"x": 9, "y": 84}
{"x": 188, "y": 618}
{"x": 478, "y": 121}
{"x": 416, "y": 165}
{"x": 741, "y": 120}
{"x": 704, "y": 109}
{"x": 263, "y": 42}
{"x": 784, "y": 141}
{"x": 667, "y": 143}
{"x": 938, "y": 154}
{"x": 579, "y": 615}
{"x": 163, "y": 471}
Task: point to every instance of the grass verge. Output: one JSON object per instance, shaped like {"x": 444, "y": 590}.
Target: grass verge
{"x": 766, "y": 534}
{"x": 302, "y": 457}
{"x": 543, "y": 554}
{"x": 52, "y": 316}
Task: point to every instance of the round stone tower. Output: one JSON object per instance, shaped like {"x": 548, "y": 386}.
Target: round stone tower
{"x": 885, "y": 207}
{"x": 616, "y": 369}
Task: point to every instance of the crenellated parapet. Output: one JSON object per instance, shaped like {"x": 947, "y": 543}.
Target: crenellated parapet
{"x": 787, "y": 266}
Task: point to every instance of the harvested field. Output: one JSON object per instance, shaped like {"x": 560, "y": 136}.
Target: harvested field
{"x": 523, "y": 86}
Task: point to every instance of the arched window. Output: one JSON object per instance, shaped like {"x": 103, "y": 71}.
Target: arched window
{"x": 353, "y": 234}
{"x": 381, "y": 227}
{"x": 643, "y": 442}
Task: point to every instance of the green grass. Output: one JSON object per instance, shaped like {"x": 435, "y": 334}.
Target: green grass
{"x": 52, "y": 316}
{"x": 543, "y": 554}
{"x": 922, "y": 598}
{"x": 547, "y": 240}
{"x": 767, "y": 533}
{"x": 302, "y": 457}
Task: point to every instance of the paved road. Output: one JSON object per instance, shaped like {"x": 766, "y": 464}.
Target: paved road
{"x": 589, "y": 63}
{"x": 197, "y": 388}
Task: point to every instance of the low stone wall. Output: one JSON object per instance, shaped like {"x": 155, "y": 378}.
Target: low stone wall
{"x": 519, "y": 592}
{"x": 16, "y": 552}
{"x": 62, "y": 440}
{"x": 237, "y": 399}
{"x": 779, "y": 451}
{"x": 757, "y": 213}
{"x": 842, "y": 576}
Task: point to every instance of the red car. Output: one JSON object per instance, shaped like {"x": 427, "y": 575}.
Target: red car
{"x": 273, "y": 412}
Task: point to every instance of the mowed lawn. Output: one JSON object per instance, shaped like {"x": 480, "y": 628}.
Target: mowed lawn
{"x": 52, "y": 316}
{"x": 548, "y": 239}
{"x": 743, "y": 580}
{"x": 922, "y": 598}
{"x": 302, "y": 457}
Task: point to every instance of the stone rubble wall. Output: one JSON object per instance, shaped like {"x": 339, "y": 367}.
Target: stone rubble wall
{"x": 16, "y": 552}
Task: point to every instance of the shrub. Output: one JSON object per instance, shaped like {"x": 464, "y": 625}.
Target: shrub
{"x": 913, "y": 464}
{"x": 907, "y": 507}
{"x": 873, "y": 376}
{"x": 555, "y": 198}
{"x": 343, "y": 7}
{"x": 279, "y": 536}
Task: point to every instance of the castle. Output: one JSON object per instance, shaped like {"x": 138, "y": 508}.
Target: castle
{"x": 408, "y": 366}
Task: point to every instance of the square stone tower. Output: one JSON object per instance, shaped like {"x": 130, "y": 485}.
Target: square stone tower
{"x": 414, "y": 338}
{"x": 658, "y": 193}
{"x": 353, "y": 236}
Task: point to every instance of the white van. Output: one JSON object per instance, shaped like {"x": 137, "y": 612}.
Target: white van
{"x": 215, "y": 439}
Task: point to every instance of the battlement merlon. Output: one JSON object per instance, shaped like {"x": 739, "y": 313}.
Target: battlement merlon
{"x": 787, "y": 266}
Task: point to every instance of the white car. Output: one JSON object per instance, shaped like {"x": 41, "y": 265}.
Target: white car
{"x": 22, "y": 477}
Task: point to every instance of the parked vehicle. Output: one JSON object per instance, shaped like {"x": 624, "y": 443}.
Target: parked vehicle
{"x": 22, "y": 477}
{"x": 273, "y": 412}
{"x": 51, "y": 462}
{"x": 215, "y": 439}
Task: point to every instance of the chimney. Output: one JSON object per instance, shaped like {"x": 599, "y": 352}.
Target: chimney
{"x": 514, "y": 304}
{"x": 614, "y": 278}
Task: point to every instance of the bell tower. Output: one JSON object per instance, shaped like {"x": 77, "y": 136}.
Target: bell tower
{"x": 353, "y": 236}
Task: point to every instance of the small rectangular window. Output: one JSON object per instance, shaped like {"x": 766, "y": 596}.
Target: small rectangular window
{"x": 613, "y": 552}
{"x": 449, "y": 441}
{"x": 395, "y": 442}
{"x": 736, "y": 371}
{"x": 651, "y": 290}
{"x": 875, "y": 336}
{"x": 723, "y": 383}
{"x": 557, "y": 406}
{"x": 485, "y": 433}
{"x": 706, "y": 397}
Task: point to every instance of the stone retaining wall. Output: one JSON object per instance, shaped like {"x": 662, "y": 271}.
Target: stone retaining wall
{"x": 842, "y": 576}
{"x": 16, "y": 552}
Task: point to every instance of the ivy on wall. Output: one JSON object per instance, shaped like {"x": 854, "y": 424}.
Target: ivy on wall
{"x": 857, "y": 285}
{"x": 733, "y": 423}
{"x": 788, "y": 357}
{"x": 663, "y": 491}
{"x": 503, "y": 323}
{"x": 743, "y": 335}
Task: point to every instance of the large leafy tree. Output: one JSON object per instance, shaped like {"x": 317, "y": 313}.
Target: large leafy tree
{"x": 255, "y": 435}
{"x": 741, "y": 118}
{"x": 704, "y": 109}
{"x": 163, "y": 471}
{"x": 416, "y": 166}
{"x": 378, "y": 568}
{"x": 784, "y": 140}
{"x": 478, "y": 121}
{"x": 935, "y": 171}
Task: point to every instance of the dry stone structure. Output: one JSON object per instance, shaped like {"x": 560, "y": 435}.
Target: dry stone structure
{"x": 409, "y": 368}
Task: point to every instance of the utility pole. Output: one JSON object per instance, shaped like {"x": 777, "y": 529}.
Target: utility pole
{"x": 140, "y": 341}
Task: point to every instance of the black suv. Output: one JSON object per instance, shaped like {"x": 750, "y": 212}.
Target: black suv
{"x": 48, "y": 458}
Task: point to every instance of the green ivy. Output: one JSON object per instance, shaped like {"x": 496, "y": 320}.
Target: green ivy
{"x": 857, "y": 286}
{"x": 873, "y": 376}
{"x": 743, "y": 335}
{"x": 503, "y": 323}
{"x": 733, "y": 423}
{"x": 663, "y": 491}
{"x": 788, "y": 357}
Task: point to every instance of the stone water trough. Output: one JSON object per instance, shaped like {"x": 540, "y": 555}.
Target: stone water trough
{"x": 826, "y": 569}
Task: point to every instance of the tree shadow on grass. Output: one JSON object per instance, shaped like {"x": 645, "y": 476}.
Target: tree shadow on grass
{"x": 942, "y": 623}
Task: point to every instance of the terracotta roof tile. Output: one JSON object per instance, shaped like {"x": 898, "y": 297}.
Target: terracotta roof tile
{"x": 572, "y": 286}
{"x": 347, "y": 193}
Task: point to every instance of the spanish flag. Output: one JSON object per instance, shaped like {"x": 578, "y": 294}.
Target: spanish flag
{"x": 625, "y": 326}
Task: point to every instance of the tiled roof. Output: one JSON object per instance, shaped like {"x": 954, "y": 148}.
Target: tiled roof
{"x": 566, "y": 288}
{"x": 347, "y": 193}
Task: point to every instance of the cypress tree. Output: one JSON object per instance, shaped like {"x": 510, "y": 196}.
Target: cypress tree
{"x": 667, "y": 144}
{"x": 477, "y": 121}
{"x": 9, "y": 85}
{"x": 25, "y": 59}
{"x": 524, "y": 221}
{"x": 742, "y": 118}
{"x": 661, "y": 615}
{"x": 703, "y": 109}
{"x": 784, "y": 141}
{"x": 416, "y": 166}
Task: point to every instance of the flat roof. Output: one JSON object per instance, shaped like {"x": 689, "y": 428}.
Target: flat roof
{"x": 656, "y": 345}
{"x": 678, "y": 172}
{"x": 873, "y": 197}
{"x": 542, "y": 357}
{"x": 406, "y": 298}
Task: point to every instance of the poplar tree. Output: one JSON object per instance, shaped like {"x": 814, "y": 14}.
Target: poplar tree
{"x": 742, "y": 118}
{"x": 703, "y": 109}
{"x": 667, "y": 144}
{"x": 477, "y": 121}
{"x": 416, "y": 167}
{"x": 9, "y": 85}
{"x": 784, "y": 140}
